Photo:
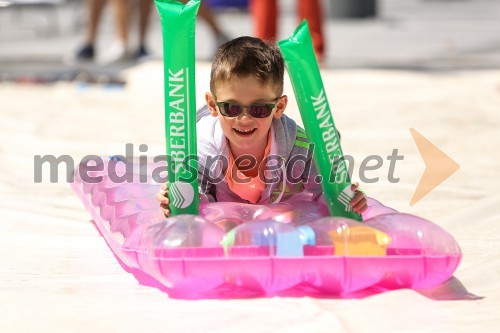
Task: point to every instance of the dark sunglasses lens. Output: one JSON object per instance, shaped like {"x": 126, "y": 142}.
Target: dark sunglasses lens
{"x": 260, "y": 111}
{"x": 231, "y": 110}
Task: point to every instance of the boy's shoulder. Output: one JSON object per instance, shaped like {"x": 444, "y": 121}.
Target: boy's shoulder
{"x": 292, "y": 128}
{"x": 210, "y": 138}
{"x": 202, "y": 112}
{"x": 291, "y": 139}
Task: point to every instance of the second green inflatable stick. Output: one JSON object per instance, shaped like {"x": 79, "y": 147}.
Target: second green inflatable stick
{"x": 303, "y": 69}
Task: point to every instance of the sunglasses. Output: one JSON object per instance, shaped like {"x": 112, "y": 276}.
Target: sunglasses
{"x": 257, "y": 110}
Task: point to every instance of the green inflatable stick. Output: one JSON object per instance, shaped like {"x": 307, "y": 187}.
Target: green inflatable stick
{"x": 178, "y": 23}
{"x": 303, "y": 69}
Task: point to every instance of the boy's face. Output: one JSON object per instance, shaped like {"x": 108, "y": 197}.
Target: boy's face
{"x": 245, "y": 133}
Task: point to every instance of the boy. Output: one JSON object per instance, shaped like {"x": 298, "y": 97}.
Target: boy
{"x": 249, "y": 151}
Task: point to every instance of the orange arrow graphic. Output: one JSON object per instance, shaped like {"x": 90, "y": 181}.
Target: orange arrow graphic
{"x": 438, "y": 166}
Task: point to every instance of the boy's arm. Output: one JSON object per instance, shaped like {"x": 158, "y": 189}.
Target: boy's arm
{"x": 162, "y": 197}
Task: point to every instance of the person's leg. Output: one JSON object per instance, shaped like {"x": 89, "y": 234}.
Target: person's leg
{"x": 311, "y": 11}
{"x": 118, "y": 50}
{"x": 144, "y": 15}
{"x": 121, "y": 10}
{"x": 94, "y": 10}
{"x": 265, "y": 18}
{"x": 207, "y": 15}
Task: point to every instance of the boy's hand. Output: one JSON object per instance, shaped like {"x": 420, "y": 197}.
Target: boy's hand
{"x": 358, "y": 203}
{"x": 162, "y": 197}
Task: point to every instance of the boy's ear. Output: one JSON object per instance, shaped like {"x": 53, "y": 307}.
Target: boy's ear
{"x": 281, "y": 106}
{"x": 211, "y": 104}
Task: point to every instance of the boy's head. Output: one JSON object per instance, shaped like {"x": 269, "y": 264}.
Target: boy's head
{"x": 246, "y": 84}
{"x": 248, "y": 57}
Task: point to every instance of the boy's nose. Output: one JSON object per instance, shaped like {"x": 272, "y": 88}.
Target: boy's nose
{"x": 244, "y": 119}
{"x": 245, "y": 113}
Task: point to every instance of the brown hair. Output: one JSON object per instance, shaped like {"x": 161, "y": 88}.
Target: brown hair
{"x": 248, "y": 56}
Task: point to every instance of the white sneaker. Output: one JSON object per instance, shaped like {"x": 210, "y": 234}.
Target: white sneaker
{"x": 116, "y": 53}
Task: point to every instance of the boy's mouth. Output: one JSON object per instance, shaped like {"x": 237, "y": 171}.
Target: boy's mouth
{"x": 244, "y": 132}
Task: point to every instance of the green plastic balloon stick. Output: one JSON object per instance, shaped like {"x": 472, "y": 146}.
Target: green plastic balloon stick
{"x": 303, "y": 69}
{"x": 178, "y": 23}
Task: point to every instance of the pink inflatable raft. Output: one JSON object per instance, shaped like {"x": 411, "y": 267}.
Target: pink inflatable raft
{"x": 290, "y": 248}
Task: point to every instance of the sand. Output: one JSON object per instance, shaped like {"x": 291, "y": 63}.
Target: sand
{"x": 58, "y": 275}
